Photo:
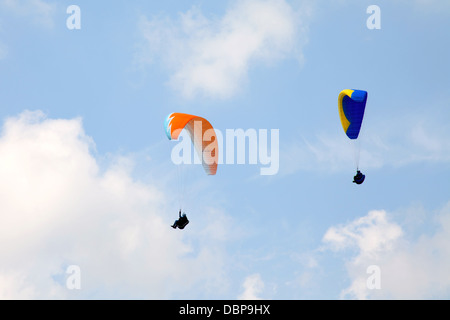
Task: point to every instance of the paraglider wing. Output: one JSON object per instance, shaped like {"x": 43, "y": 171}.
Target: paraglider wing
{"x": 352, "y": 104}
{"x": 202, "y": 135}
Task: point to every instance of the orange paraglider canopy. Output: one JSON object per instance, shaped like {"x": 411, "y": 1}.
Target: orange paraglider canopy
{"x": 202, "y": 135}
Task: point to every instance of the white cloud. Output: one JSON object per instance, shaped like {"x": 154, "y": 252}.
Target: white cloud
{"x": 212, "y": 56}
{"x": 38, "y": 11}
{"x": 59, "y": 208}
{"x": 370, "y": 234}
{"x": 253, "y": 286}
{"x": 410, "y": 268}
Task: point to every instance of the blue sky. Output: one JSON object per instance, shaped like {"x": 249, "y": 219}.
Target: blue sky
{"x": 87, "y": 178}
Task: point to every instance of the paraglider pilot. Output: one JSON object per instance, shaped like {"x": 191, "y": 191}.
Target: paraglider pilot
{"x": 359, "y": 178}
{"x": 181, "y": 222}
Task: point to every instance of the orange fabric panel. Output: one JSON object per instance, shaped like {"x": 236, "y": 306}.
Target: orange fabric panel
{"x": 202, "y": 135}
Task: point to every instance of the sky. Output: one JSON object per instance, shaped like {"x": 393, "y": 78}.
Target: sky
{"x": 88, "y": 188}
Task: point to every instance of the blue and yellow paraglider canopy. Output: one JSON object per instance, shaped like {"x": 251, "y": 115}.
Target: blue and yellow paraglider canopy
{"x": 352, "y": 104}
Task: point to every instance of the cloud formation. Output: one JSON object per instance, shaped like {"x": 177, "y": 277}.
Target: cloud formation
{"x": 58, "y": 208}
{"x": 253, "y": 286}
{"x": 410, "y": 268}
{"x": 212, "y": 56}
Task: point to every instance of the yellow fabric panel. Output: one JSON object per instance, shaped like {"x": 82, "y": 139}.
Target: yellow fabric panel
{"x": 344, "y": 120}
